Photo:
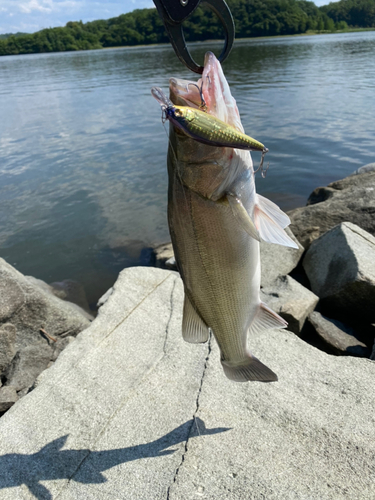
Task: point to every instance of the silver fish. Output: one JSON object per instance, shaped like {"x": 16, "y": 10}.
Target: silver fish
{"x": 216, "y": 221}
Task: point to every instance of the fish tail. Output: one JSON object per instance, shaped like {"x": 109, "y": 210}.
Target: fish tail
{"x": 249, "y": 370}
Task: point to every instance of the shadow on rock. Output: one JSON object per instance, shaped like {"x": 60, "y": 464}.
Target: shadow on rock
{"x": 51, "y": 462}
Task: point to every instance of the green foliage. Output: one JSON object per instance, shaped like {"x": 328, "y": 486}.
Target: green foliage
{"x": 144, "y": 26}
{"x": 359, "y": 13}
{"x": 7, "y": 35}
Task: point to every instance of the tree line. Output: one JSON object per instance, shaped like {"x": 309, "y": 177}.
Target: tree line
{"x": 144, "y": 26}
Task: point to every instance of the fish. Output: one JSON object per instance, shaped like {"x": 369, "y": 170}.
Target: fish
{"x": 204, "y": 127}
{"x": 216, "y": 220}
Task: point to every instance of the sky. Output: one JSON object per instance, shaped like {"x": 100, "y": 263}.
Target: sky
{"x": 33, "y": 15}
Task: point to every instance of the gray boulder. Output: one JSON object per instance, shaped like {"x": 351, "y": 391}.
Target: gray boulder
{"x": 69, "y": 290}
{"x": 338, "y": 336}
{"x": 7, "y": 345}
{"x": 351, "y": 199}
{"x": 341, "y": 268}
{"x": 131, "y": 411}
{"x": 8, "y": 396}
{"x": 32, "y": 322}
{"x": 290, "y": 300}
{"x": 277, "y": 260}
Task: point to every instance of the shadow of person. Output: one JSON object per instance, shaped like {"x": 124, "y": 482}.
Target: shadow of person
{"x": 51, "y": 462}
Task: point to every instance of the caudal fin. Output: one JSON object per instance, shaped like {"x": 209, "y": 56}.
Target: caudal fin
{"x": 250, "y": 370}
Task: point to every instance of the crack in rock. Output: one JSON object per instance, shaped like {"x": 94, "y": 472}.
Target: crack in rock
{"x": 169, "y": 319}
{"x": 194, "y": 418}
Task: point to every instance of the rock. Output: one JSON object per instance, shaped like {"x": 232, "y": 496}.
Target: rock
{"x": 28, "y": 363}
{"x": 277, "y": 260}
{"x": 341, "y": 268}
{"x": 60, "y": 345}
{"x": 370, "y": 167}
{"x": 351, "y": 199}
{"x": 162, "y": 254}
{"x": 339, "y": 337}
{"x": 26, "y": 307}
{"x": 171, "y": 264}
{"x": 8, "y": 396}
{"x": 7, "y": 345}
{"x": 291, "y": 300}
{"x": 129, "y": 410}
{"x": 69, "y": 290}
{"x": 373, "y": 353}
{"x": 103, "y": 299}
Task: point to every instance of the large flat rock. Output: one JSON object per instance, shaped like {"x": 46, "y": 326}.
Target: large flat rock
{"x": 130, "y": 411}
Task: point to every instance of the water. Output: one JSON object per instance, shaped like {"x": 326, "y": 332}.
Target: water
{"x": 83, "y": 177}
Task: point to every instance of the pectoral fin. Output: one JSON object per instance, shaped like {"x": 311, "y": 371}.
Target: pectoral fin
{"x": 194, "y": 329}
{"x": 242, "y": 217}
{"x": 273, "y": 211}
{"x": 270, "y": 221}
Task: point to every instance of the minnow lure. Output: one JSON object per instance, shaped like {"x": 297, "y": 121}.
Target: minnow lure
{"x": 205, "y": 128}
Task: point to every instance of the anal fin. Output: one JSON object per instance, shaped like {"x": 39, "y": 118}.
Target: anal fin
{"x": 266, "y": 319}
{"x": 194, "y": 329}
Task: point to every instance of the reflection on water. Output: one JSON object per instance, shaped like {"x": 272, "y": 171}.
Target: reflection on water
{"x": 83, "y": 153}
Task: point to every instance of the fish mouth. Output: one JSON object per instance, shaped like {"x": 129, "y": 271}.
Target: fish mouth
{"x": 185, "y": 92}
{"x": 195, "y": 94}
{"x": 210, "y": 93}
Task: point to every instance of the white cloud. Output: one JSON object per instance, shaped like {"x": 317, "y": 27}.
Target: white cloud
{"x": 36, "y": 5}
{"x": 50, "y": 13}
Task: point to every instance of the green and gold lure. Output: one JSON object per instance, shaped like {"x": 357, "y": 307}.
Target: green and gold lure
{"x": 205, "y": 128}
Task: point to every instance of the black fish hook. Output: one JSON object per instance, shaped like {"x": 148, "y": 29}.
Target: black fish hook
{"x": 174, "y": 12}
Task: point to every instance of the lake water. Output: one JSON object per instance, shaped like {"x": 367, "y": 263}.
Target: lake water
{"x": 83, "y": 181}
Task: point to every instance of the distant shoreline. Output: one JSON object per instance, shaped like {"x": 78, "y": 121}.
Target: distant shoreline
{"x": 215, "y": 40}
{"x": 266, "y": 37}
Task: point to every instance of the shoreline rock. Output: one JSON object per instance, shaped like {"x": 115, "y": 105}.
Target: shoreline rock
{"x": 351, "y": 199}
{"x": 35, "y": 326}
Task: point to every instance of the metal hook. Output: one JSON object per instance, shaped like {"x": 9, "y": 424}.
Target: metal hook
{"x": 174, "y": 12}
{"x": 203, "y": 104}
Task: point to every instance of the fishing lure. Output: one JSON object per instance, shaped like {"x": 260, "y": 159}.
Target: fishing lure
{"x": 205, "y": 128}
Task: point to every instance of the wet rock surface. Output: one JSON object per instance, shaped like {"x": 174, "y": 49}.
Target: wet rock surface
{"x": 348, "y": 200}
